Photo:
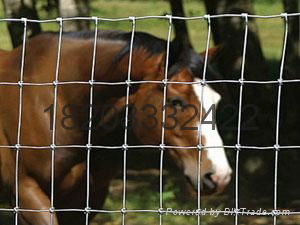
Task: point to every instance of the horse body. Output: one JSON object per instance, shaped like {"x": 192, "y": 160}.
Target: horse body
{"x": 35, "y": 165}
{"x": 70, "y": 163}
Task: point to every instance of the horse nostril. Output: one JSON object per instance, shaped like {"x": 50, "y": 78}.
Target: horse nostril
{"x": 208, "y": 175}
{"x": 208, "y": 182}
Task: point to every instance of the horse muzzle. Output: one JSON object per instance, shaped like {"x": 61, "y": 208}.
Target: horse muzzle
{"x": 215, "y": 183}
{"x": 212, "y": 182}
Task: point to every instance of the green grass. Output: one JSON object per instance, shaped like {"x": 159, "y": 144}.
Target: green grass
{"x": 144, "y": 195}
{"x": 271, "y": 30}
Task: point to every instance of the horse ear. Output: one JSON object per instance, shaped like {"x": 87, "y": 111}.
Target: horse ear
{"x": 212, "y": 53}
{"x": 212, "y": 56}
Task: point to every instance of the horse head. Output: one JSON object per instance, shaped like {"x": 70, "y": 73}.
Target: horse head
{"x": 179, "y": 104}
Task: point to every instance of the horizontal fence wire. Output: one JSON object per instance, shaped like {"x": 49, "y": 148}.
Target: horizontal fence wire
{"x": 150, "y": 82}
{"x": 99, "y": 147}
{"x": 162, "y": 147}
{"x": 167, "y": 17}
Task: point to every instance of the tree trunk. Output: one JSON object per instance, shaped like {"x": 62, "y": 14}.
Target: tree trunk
{"x": 229, "y": 32}
{"x": 181, "y": 31}
{"x": 74, "y": 8}
{"x": 51, "y": 6}
{"x": 292, "y": 66}
{"x": 18, "y": 9}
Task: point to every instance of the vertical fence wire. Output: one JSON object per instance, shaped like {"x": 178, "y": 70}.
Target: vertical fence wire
{"x": 90, "y": 123}
{"x": 200, "y": 146}
{"x": 20, "y": 82}
{"x": 51, "y": 210}
{"x": 162, "y": 144}
{"x": 125, "y": 145}
{"x": 240, "y": 119}
{"x": 276, "y": 146}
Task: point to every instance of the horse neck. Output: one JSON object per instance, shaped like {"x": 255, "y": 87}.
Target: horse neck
{"x": 3, "y": 53}
{"x": 3, "y": 59}
{"x": 142, "y": 66}
{"x": 107, "y": 67}
{"x": 9, "y": 70}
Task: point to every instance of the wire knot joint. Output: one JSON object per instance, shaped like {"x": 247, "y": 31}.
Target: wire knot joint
{"x": 91, "y": 82}
{"x": 203, "y": 82}
{"x": 95, "y": 18}
{"x": 199, "y": 147}
{"x": 207, "y": 17}
{"x": 238, "y": 147}
{"x": 20, "y": 83}
{"x": 128, "y": 82}
{"x": 123, "y": 210}
{"x": 162, "y": 146}
{"x": 87, "y": 210}
{"x": 16, "y": 209}
{"x": 276, "y": 147}
{"x": 165, "y": 82}
{"x": 24, "y": 20}
{"x": 60, "y": 21}
{"x": 132, "y": 19}
{"x": 51, "y": 210}
{"x": 284, "y": 15}
{"x": 161, "y": 211}
{"x": 275, "y": 212}
{"x": 245, "y": 15}
{"x": 170, "y": 19}
{"x": 241, "y": 81}
{"x": 125, "y": 147}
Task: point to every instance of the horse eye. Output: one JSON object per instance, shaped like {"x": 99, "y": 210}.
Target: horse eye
{"x": 176, "y": 101}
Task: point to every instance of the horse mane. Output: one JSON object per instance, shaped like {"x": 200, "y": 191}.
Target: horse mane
{"x": 178, "y": 57}
{"x": 151, "y": 44}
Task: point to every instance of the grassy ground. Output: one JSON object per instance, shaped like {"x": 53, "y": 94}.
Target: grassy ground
{"x": 145, "y": 195}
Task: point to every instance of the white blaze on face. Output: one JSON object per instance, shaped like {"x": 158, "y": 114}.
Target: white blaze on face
{"x": 212, "y": 137}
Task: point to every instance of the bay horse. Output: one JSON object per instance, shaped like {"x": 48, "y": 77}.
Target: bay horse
{"x": 112, "y": 55}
